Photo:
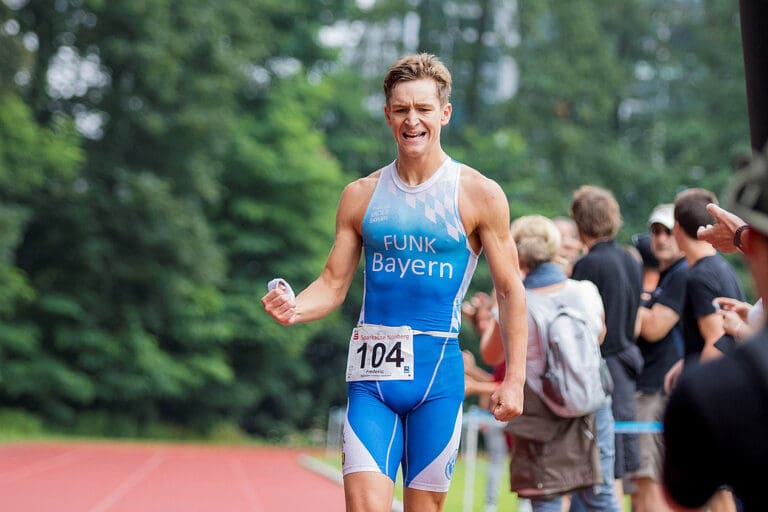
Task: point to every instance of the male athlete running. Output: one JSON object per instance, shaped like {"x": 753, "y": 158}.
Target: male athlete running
{"x": 422, "y": 221}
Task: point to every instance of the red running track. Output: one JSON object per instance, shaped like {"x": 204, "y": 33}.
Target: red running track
{"x": 129, "y": 477}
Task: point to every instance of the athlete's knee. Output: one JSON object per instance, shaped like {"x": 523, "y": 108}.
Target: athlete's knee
{"x": 416, "y": 500}
{"x": 368, "y": 491}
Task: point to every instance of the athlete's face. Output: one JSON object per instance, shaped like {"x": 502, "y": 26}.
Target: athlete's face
{"x": 416, "y": 116}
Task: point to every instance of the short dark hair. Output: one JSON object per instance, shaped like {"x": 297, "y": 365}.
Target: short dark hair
{"x": 417, "y": 67}
{"x": 691, "y": 209}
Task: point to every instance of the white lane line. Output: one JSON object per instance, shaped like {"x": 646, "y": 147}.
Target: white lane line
{"x": 62, "y": 459}
{"x": 246, "y": 487}
{"x": 323, "y": 469}
{"x": 129, "y": 483}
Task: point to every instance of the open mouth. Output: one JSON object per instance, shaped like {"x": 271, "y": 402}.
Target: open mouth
{"x": 411, "y": 136}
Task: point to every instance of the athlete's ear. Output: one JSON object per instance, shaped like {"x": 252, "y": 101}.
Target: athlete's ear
{"x": 386, "y": 115}
{"x": 447, "y": 109}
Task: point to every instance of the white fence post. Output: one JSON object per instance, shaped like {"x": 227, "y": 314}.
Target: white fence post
{"x": 472, "y": 426}
{"x": 334, "y": 432}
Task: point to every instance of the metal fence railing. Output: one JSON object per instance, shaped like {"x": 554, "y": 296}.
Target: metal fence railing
{"x": 473, "y": 421}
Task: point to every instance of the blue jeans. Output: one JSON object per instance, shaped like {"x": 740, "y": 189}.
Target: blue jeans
{"x": 554, "y": 504}
{"x": 547, "y": 504}
{"x": 600, "y": 497}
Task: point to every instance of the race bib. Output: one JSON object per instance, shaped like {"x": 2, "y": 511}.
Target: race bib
{"x": 377, "y": 352}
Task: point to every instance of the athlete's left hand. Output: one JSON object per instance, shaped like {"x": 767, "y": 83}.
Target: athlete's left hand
{"x": 507, "y": 401}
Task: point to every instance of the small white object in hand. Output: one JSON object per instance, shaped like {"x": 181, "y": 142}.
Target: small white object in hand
{"x": 280, "y": 281}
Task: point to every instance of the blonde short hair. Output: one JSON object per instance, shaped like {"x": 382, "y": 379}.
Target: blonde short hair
{"x": 537, "y": 238}
{"x": 416, "y": 67}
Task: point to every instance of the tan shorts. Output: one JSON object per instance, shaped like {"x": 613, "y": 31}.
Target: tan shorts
{"x": 650, "y": 407}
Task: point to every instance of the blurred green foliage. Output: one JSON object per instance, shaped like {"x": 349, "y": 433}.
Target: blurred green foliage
{"x": 161, "y": 161}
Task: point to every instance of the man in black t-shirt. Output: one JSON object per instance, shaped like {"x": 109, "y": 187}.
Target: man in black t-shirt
{"x": 715, "y": 423}
{"x": 618, "y": 277}
{"x": 661, "y": 344}
{"x": 709, "y": 276}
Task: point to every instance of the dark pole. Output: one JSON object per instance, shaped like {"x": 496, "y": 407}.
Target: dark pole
{"x": 754, "y": 40}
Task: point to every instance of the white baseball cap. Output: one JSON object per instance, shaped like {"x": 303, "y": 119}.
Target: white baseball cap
{"x": 663, "y": 214}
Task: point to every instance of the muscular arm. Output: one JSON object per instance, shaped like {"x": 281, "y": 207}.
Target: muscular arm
{"x": 657, "y": 321}
{"x": 513, "y": 322}
{"x": 488, "y": 210}
{"x": 328, "y": 291}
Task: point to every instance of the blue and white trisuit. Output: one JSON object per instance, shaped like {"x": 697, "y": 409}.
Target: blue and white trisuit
{"x": 418, "y": 265}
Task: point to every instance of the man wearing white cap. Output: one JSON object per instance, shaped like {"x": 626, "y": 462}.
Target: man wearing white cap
{"x": 660, "y": 342}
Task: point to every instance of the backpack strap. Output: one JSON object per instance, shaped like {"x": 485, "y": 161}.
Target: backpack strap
{"x": 541, "y": 308}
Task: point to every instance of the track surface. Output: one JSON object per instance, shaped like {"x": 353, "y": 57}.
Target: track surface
{"x": 101, "y": 477}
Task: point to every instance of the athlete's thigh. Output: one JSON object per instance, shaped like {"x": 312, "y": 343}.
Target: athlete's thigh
{"x": 432, "y": 433}
{"x": 433, "y": 430}
{"x": 373, "y": 432}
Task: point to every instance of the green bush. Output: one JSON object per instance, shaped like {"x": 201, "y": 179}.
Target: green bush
{"x": 17, "y": 424}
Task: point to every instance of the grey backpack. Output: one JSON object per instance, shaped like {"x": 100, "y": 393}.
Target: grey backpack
{"x": 573, "y": 379}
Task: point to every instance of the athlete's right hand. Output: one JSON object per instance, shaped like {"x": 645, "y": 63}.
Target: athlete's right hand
{"x": 507, "y": 401}
{"x": 280, "y": 304}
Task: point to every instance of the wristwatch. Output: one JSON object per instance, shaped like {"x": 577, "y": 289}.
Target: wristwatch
{"x": 737, "y": 236}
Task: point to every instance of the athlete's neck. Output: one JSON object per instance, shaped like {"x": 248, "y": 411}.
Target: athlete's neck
{"x": 414, "y": 171}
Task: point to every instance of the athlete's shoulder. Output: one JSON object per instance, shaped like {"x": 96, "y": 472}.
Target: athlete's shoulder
{"x": 479, "y": 188}
{"x": 468, "y": 172}
{"x": 476, "y": 181}
{"x": 363, "y": 186}
{"x": 357, "y": 195}
{"x": 482, "y": 203}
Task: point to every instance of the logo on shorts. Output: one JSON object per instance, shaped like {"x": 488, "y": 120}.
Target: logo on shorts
{"x": 451, "y": 465}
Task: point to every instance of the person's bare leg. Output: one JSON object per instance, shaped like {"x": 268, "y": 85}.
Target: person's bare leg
{"x": 415, "y": 500}
{"x": 368, "y": 491}
{"x": 648, "y": 497}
